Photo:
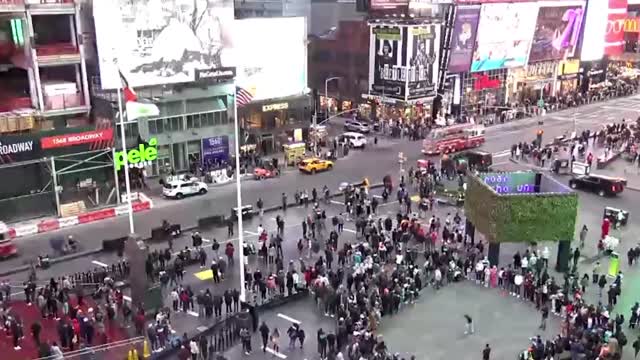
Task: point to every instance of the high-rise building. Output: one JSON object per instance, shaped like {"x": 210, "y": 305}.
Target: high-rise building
{"x": 46, "y": 126}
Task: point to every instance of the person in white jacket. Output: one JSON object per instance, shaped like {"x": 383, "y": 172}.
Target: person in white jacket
{"x": 56, "y": 352}
{"x": 193, "y": 348}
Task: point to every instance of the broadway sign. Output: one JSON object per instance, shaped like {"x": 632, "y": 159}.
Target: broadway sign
{"x": 17, "y": 148}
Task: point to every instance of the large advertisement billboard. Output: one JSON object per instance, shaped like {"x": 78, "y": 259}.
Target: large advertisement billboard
{"x": 423, "y": 48}
{"x": 604, "y": 29}
{"x": 155, "y": 42}
{"x": 557, "y": 33}
{"x": 270, "y": 56}
{"x": 504, "y": 36}
{"x": 403, "y": 61}
{"x": 463, "y": 39}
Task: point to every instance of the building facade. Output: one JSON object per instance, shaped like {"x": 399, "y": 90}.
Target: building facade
{"x": 54, "y": 149}
{"x": 342, "y": 54}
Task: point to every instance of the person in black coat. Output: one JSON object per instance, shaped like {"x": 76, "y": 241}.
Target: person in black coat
{"x": 264, "y": 333}
{"x": 217, "y": 305}
{"x": 228, "y": 300}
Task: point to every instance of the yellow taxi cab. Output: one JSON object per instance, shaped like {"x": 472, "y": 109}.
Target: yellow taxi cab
{"x": 314, "y": 165}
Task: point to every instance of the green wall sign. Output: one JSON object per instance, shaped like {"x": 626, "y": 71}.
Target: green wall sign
{"x": 138, "y": 157}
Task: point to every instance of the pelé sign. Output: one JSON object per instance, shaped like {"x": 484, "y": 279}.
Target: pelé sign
{"x": 138, "y": 157}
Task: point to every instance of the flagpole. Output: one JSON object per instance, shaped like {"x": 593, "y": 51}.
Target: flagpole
{"x": 236, "y": 126}
{"x": 126, "y": 163}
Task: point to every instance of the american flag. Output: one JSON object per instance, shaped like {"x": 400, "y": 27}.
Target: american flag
{"x": 243, "y": 97}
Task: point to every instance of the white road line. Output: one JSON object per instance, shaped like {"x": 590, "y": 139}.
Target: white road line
{"x": 289, "y": 318}
{"x": 126, "y": 298}
{"x": 99, "y": 263}
{"x": 501, "y": 154}
{"x": 349, "y": 230}
{"x": 274, "y": 219}
{"x": 251, "y": 233}
{"x": 275, "y": 353}
{"x": 206, "y": 240}
{"x": 377, "y": 196}
{"x": 193, "y": 313}
{"x": 337, "y": 202}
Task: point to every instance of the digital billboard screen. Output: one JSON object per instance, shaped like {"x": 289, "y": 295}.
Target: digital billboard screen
{"x": 156, "y": 42}
{"x": 504, "y": 36}
{"x": 463, "y": 39}
{"x": 595, "y": 30}
{"x": 557, "y": 33}
{"x": 270, "y": 56}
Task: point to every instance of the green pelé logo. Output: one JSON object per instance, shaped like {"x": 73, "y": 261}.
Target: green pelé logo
{"x": 138, "y": 157}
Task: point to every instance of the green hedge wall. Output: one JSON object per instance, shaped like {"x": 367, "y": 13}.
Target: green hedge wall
{"x": 521, "y": 217}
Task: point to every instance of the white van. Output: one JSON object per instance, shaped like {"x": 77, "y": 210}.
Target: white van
{"x": 355, "y": 140}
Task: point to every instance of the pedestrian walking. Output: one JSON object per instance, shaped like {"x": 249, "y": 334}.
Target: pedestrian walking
{"x": 264, "y": 334}
{"x": 468, "y": 329}
{"x": 486, "y": 352}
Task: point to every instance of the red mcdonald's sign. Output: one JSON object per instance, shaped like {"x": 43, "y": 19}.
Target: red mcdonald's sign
{"x": 483, "y": 82}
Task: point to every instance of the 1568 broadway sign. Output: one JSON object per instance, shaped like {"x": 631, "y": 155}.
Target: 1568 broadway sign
{"x": 141, "y": 156}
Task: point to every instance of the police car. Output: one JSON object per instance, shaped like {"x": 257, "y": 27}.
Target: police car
{"x": 179, "y": 188}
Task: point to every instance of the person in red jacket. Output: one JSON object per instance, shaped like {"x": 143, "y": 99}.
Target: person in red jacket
{"x": 229, "y": 252}
{"x": 606, "y": 225}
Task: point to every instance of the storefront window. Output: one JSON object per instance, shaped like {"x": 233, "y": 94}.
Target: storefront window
{"x": 162, "y": 165}
{"x": 193, "y": 154}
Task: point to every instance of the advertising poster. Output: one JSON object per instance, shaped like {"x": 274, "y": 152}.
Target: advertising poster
{"x": 156, "y": 42}
{"x": 270, "y": 56}
{"x": 557, "y": 32}
{"x": 463, "y": 39}
{"x": 504, "y": 36}
{"x": 423, "y": 46}
{"x": 387, "y": 51}
{"x": 215, "y": 150}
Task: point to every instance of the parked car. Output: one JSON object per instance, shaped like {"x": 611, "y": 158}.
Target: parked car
{"x": 358, "y": 126}
{"x": 354, "y": 139}
{"x": 178, "y": 189}
{"x": 600, "y": 184}
{"x": 314, "y": 165}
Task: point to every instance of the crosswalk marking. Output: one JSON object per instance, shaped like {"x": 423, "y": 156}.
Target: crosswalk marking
{"x": 275, "y": 353}
{"x": 289, "y": 318}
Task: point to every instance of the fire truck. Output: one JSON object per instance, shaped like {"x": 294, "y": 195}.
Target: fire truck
{"x": 453, "y": 138}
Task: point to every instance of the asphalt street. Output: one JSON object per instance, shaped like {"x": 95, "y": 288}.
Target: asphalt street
{"x": 353, "y": 168}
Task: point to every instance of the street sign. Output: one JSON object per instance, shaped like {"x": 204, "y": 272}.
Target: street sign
{"x": 541, "y": 103}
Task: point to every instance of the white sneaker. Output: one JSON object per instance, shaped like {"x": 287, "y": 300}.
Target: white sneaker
{"x": 17, "y": 348}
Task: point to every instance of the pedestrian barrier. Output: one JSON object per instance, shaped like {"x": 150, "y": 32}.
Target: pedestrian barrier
{"x": 143, "y": 203}
{"x": 210, "y": 221}
{"x": 113, "y": 244}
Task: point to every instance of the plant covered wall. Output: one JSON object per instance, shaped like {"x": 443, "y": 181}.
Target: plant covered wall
{"x": 520, "y": 217}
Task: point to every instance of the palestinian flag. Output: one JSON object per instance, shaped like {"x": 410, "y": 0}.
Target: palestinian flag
{"x": 136, "y": 108}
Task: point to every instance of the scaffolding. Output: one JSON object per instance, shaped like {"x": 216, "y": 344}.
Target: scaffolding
{"x": 65, "y": 185}
{"x": 111, "y": 351}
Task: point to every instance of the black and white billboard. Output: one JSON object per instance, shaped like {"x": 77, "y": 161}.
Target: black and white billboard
{"x": 403, "y": 61}
{"x": 156, "y": 42}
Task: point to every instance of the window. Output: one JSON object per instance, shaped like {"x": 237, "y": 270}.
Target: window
{"x": 223, "y": 117}
{"x": 156, "y": 126}
{"x": 207, "y": 119}
{"x": 193, "y": 121}
{"x": 130, "y": 130}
